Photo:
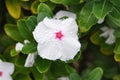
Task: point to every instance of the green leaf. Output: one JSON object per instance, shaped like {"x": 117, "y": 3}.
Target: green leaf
{"x": 58, "y": 68}
{"x": 95, "y": 38}
{"x": 6, "y": 41}
{"x": 66, "y": 2}
{"x": 22, "y": 77}
{"x": 42, "y": 65}
{"x": 86, "y": 19}
{"x": 42, "y": 7}
{"x": 43, "y": 0}
{"x": 23, "y": 29}
{"x": 70, "y": 69}
{"x": 106, "y": 49}
{"x": 102, "y": 8}
{"x": 95, "y": 74}
{"x": 114, "y": 16}
{"x": 117, "y": 57}
{"x": 75, "y": 76}
{"x": 42, "y": 15}
{"x": 117, "y": 33}
{"x": 13, "y": 7}
{"x": 12, "y": 31}
{"x": 34, "y": 6}
{"x": 29, "y": 48}
{"x": 37, "y": 75}
{"x": 115, "y": 2}
{"x": 31, "y": 23}
{"x": 13, "y": 52}
{"x": 117, "y": 47}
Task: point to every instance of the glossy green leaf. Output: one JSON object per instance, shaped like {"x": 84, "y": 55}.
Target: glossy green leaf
{"x": 43, "y": 0}
{"x": 23, "y": 29}
{"x": 75, "y": 76}
{"x": 95, "y": 38}
{"x": 86, "y": 19}
{"x": 42, "y": 7}
{"x": 114, "y": 16}
{"x": 13, "y": 52}
{"x": 95, "y": 74}
{"x": 106, "y": 49}
{"x": 115, "y": 2}
{"x": 29, "y": 48}
{"x": 37, "y": 75}
{"x": 102, "y": 8}
{"x": 117, "y": 47}
{"x": 31, "y": 23}
{"x": 42, "y": 65}
{"x": 6, "y": 41}
{"x": 13, "y": 7}
{"x": 34, "y": 6}
{"x": 42, "y": 15}
{"x": 12, "y": 31}
{"x": 70, "y": 69}
{"x": 58, "y": 68}
{"x": 22, "y": 77}
{"x": 117, "y": 33}
{"x": 66, "y": 2}
{"x": 117, "y": 57}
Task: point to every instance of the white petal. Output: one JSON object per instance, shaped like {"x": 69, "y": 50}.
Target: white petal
{"x": 7, "y": 67}
{"x": 100, "y": 21}
{"x": 62, "y": 13}
{"x": 104, "y": 28}
{"x": 50, "y": 50}
{"x": 30, "y": 60}
{"x": 111, "y": 38}
{"x": 104, "y": 34}
{"x": 53, "y": 23}
{"x": 70, "y": 28}
{"x": 70, "y": 48}
{"x": 63, "y": 78}
{"x": 19, "y": 46}
{"x": 26, "y": 41}
{"x": 42, "y": 33}
{"x": 6, "y": 77}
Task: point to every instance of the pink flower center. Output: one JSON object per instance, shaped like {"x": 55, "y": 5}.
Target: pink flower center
{"x": 59, "y": 35}
{"x": 1, "y": 73}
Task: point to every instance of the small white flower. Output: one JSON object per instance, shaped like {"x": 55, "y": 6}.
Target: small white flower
{"x": 6, "y": 70}
{"x": 57, "y": 39}
{"x": 26, "y": 41}
{"x": 108, "y": 33}
{"x": 63, "y": 78}
{"x": 19, "y": 46}
{"x": 63, "y": 13}
{"x": 100, "y": 21}
{"x": 30, "y": 59}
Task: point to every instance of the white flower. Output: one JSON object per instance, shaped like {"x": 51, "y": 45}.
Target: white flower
{"x": 19, "y": 46}
{"x": 63, "y": 13}
{"x": 63, "y": 78}
{"x": 108, "y": 33}
{"x": 57, "y": 39}
{"x": 6, "y": 69}
{"x": 30, "y": 59}
{"x": 26, "y": 41}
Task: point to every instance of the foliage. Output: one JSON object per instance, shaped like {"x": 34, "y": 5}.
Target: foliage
{"x": 96, "y": 59}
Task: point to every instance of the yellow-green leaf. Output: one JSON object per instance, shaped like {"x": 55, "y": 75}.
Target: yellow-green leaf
{"x": 14, "y": 8}
{"x": 34, "y": 7}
